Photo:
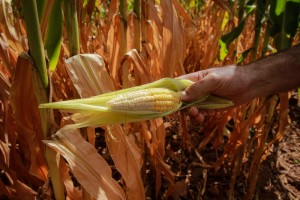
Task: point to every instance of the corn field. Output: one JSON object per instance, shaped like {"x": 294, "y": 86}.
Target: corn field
{"x": 58, "y": 50}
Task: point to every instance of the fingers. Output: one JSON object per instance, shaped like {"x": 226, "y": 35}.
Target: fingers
{"x": 206, "y": 85}
{"x": 198, "y": 116}
{"x": 195, "y": 115}
{"x": 196, "y": 76}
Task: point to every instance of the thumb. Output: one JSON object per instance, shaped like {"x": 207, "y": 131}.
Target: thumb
{"x": 200, "y": 88}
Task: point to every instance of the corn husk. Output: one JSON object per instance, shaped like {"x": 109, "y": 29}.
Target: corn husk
{"x": 94, "y": 111}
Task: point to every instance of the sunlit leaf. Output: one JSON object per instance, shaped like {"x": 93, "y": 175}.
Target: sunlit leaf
{"x": 88, "y": 74}
{"x": 54, "y": 34}
{"x": 90, "y": 169}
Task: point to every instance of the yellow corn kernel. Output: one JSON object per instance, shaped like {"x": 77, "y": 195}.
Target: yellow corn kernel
{"x": 152, "y": 99}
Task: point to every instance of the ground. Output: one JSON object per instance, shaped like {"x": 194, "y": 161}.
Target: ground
{"x": 278, "y": 178}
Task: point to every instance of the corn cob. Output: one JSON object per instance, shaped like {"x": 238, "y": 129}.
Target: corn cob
{"x": 151, "y": 99}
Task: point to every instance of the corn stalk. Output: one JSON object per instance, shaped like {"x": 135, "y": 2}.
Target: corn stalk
{"x": 72, "y": 26}
{"x": 41, "y": 88}
{"x": 35, "y": 39}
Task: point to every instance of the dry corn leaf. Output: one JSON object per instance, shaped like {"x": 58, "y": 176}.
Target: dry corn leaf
{"x": 23, "y": 191}
{"x": 238, "y": 136}
{"x": 8, "y": 56}
{"x": 90, "y": 169}
{"x": 181, "y": 11}
{"x": 4, "y": 152}
{"x": 26, "y": 113}
{"x": 5, "y": 86}
{"x": 157, "y": 127}
{"x": 173, "y": 47}
{"x": 128, "y": 160}
{"x": 154, "y": 49}
{"x": 87, "y": 71}
{"x": 139, "y": 65}
{"x": 113, "y": 9}
{"x": 5, "y": 192}
{"x": 74, "y": 193}
{"x": 132, "y": 32}
{"x": 7, "y": 25}
{"x": 155, "y": 15}
{"x": 13, "y": 188}
{"x": 116, "y": 44}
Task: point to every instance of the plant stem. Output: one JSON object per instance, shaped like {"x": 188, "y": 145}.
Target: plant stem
{"x": 35, "y": 39}
{"x": 50, "y": 154}
{"x": 72, "y": 26}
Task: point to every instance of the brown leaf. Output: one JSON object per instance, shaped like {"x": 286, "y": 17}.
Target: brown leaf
{"x": 73, "y": 192}
{"x": 173, "y": 46}
{"x": 154, "y": 49}
{"x": 90, "y": 169}
{"x": 5, "y": 191}
{"x": 28, "y": 123}
{"x": 116, "y": 44}
{"x": 14, "y": 188}
{"x": 128, "y": 160}
{"x": 8, "y": 55}
{"x": 181, "y": 11}
{"x": 88, "y": 75}
{"x": 7, "y": 20}
{"x": 139, "y": 65}
{"x": 23, "y": 191}
{"x": 4, "y": 152}
{"x": 133, "y": 32}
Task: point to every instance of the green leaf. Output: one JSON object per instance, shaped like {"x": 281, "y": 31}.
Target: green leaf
{"x": 280, "y": 7}
{"x": 70, "y": 12}
{"x": 54, "y": 34}
{"x": 40, "y": 7}
{"x": 284, "y": 18}
{"x": 228, "y": 38}
{"x": 292, "y": 17}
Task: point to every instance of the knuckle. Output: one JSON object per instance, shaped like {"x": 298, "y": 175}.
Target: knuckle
{"x": 214, "y": 77}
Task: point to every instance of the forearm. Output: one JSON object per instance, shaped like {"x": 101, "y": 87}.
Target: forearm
{"x": 276, "y": 73}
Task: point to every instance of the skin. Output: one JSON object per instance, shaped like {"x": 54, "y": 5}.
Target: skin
{"x": 273, "y": 74}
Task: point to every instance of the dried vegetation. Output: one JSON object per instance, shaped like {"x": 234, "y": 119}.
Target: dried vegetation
{"x": 161, "y": 158}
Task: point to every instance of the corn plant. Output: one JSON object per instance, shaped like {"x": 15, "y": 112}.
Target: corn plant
{"x": 109, "y": 67}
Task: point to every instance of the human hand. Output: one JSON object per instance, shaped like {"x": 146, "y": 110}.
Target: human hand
{"x": 229, "y": 82}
